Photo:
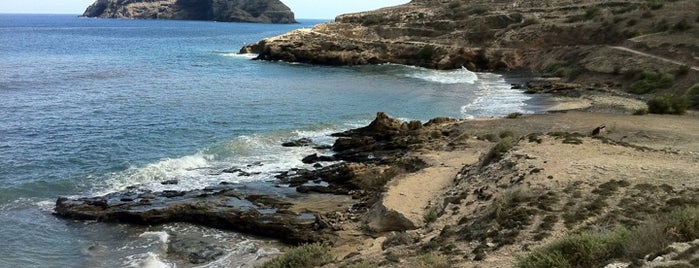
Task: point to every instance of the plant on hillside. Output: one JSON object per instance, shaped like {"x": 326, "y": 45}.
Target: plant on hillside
{"x": 598, "y": 249}
{"x": 648, "y": 81}
{"x": 668, "y": 104}
{"x": 498, "y": 151}
{"x": 693, "y": 96}
{"x": 307, "y": 255}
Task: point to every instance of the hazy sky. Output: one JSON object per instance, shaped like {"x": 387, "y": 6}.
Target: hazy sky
{"x": 303, "y": 9}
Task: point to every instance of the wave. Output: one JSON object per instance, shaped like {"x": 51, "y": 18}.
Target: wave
{"x": 248, "y": 56}
{"x": 494, "y": 97}
{"x": 246, "y": 158}
{"x": 458, "y": 76}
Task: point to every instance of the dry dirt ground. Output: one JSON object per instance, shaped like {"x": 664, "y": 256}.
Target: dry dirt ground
{"x": 563, "y": 161}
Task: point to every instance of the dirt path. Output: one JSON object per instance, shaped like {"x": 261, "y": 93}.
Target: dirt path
{"x": 695, "y": 68}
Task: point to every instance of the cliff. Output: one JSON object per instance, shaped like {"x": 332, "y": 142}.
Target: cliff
{"x": 600, "y": 42}
{"x": 262, "y": 11}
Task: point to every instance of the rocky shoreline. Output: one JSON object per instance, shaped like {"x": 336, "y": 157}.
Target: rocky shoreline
{"x": 415, "y": 181}
{"x": 368, "y": 156}
{"x": 483, "y": 192}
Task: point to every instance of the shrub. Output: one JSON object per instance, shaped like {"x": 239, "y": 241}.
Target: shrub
{"x": 683, "y": 70}
{"x": 668, "y": 104}
{"x": 595, "y": 250}
{"x": 581, "y": 250}
{"x": 513, "y": 115}
{"x": 693, "y": 96}
{"x": 648, "y": 81}
{"x": 556, "y": 68}
{"x": 307, "y": 255}
{"x": 498, "y": 151}
{"x": 431, "y": 214}
{"x": 681, "y": 26}
{"x": 432, "y": 260}
{"x": 363, "y": 264}
{"x": 655, "y": 5}
{"x": 641, "y": 111}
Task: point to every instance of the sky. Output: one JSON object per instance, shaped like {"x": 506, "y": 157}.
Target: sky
{"x": 303, "y": 9}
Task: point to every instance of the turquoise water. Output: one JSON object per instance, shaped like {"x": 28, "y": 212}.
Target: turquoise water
{"x": 89, "y": 106}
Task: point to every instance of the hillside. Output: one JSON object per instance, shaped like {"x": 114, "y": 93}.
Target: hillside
{"x": 601, "y": 44}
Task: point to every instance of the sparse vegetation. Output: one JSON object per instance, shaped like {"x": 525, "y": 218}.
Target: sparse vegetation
{"x": 498, "y": 151}
{"x": 668, "y": 104}
{"x": 556, "y": 68}
{"x": 363, "y": 264}
{"x": 431, "y": 214}
{"x": 590, "y": 249}
{"x": 683, "y": 70}
{"x": 513, "y": 115}
{"x": 655, "y": 5}
{"x": 648, "y": 81}
{"x": 307, "y": 255}
{"x": 693, "y": 96}
{"x": 642, "y": 111}
{"x": 432, "y": 260}
{"x": 681, "y": 26}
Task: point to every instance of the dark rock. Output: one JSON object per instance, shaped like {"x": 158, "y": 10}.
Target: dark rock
{"x": 170, "y": 182}
{"x": 232, "y": 170}
{"x": 310, "y": 159}
{"x": 207, "y": 254}
{"x": 222, "y": 207}
{"x": 298, "y": 143}
{"x": 265, "y": 11}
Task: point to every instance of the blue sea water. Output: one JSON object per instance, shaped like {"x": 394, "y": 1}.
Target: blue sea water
{"x": 89, "y": 106}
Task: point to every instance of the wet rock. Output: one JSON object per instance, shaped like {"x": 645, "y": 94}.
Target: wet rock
{"x": 310, "y": 159}
{"x": 222, "y": 206}
{"x": 170, "y": 182}
{"x": 298, "y": 143}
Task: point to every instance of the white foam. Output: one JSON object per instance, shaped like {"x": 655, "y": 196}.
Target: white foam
{"x": 146, "y": 260}
{"x": 458, "y": 76}
{"x": 162, "y": 236}
{"x": 240, "y": 55}
{"x": 261, "y": 156}
{"x": 494, "y": 97}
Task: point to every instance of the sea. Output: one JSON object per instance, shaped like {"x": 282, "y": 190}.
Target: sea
{"x": 91, "y": 106}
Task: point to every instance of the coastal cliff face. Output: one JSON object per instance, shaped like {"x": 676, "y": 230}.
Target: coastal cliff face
{"x": 579, "y": 37}
{"x": 265, "y": 11}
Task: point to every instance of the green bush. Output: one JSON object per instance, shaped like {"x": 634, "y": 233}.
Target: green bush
{"x": 580, "y": 250}
{"x": 668, "y": 104}
{"x": 307, "y": 255}
{"x": 681, "y": 26}
{"x": 556, "y": 68}
{"x": 431, "y": 214}
{"x": 596, "y": 250}
{"x": 693, "y": 96}
{"x": 498, "y": 151}
{"x": 513, "y": 115}
{"x": 648, "y": 81}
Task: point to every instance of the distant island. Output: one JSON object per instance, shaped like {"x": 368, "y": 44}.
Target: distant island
{"x": 258, "y": 11}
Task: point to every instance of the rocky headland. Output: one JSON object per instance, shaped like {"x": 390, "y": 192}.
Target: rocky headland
{"x": 262, "y": 11}
{"x": 601, "y": 44}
